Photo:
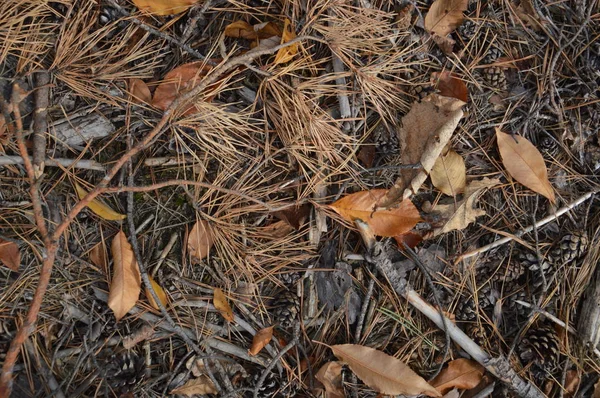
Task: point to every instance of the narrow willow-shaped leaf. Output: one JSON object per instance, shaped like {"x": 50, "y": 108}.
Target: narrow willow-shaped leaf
{"x": 99, "y": 208}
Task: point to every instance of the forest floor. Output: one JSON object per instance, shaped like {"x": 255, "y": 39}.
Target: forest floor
{"x": 299, "y": 198}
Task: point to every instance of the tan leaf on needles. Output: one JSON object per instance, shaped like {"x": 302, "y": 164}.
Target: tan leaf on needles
{"x": 222, "y": 305}
{"x": 126, "y": 283}
{"x": 201, "y": 239}
{"x": 449, "y": 173}
{"x": 382, "y": 372}
{"x": 10, "y": 255}
{"x": 524, "y": 163}
{"x": 164, "y": 7}
{"x": 461, "y": 373}
{"x": 445, "y": 16}
{"x": 330, "y": 375}
{"x": 203, "y": 385}
{"x": 385, "y": 222}
{"x": 139, "y": 91}
{"x": 260, "y": 340}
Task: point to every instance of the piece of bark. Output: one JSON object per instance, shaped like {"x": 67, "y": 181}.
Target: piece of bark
{"x": 589, "y": 319}
{"x": 40, "y": 121}
{"x": 79, "y": 131}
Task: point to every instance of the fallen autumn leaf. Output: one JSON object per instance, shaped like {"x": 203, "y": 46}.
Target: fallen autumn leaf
{"x": 330, "y": 375}
{"x": 260, "y": 340}
{"x": 10, "y": 254}
{"x": 449, "y": 173}
{"x": 461, "y": 373}
{"x": 222, "y": 305}
{"x": 99, "y": 208}
{"x": 126, "y": 283}
{"x": 200, "y": 386}
{"x": 164, "y": 7}
{"x": 200, "y": 240}
{"x": 445, "y": 16}
{"x": 160, "y": 292}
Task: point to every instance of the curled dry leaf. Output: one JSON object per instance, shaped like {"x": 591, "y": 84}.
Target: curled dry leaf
{"x": 126, "y": 283}
{"x": 410, "y": 239}
{"x": 139, "y": 91}
{"x": 243, "y": 30}
{"x": 449, "y": 85}
{"x": 222, "y": 305}
{"x": 384, "y": 222}
{"x": 99, "y": 208}
{"x": 383, "y": 373}
{"x": 524, "y": 163}
{"x": 330, "y": 375}
{"x": 445, "y": 16}
{"x": 200, "y": 240}
{"x": 461, "y": 373}
{"x": 277, "y": 230}
{"x": 203, "y": 385}
{"x": 449, "y": 173}
{"x": 164, "y": 7}
{"x": 286, "y": 54}
{"x": 260, "y": 340}
{"x": 572, "y": 382}
{"x": 160, "y": 292}
{"x": 179, "y": 80}
{"x": 10, "y": 254}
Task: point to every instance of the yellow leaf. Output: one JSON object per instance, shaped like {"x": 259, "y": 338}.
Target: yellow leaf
{"x": 382, "y": 372}
{"x": 286, "y": 54}
{"x": 164, "y": 7}
{"x": 524, "y": 163}
{"x": 260, "y": 340}
{"x": 203, "y": 385}
{"x": 221, "y": 304}
{"x": 160, "y": 292}
{"x": 385, "y": 222}
{"x": 445, "y": 16}
{"x": 330, "y": 375}
{"x": 200, "y": 239}
{"x": 461, "y": 373}
{"x": 98, "y": 207}
{"x": 10, "y": 255}
{"x": 449, "y": 173}
{"x": 126, "y": 283}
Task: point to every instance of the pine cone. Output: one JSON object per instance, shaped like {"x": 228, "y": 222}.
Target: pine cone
{"x": 571, "y": 247}
{"x": 468, "y": 309}
{"x": 271, "y": 387}
{"x": 285, "y": 308}
{"x": 124, "y": 371}
{"x": 530, "y": 261}
{"x": 511, "y": 272}
{"x": 492, "y": 55}
{"x": 420, "y": 91}
{"x": 495, "y": 77}
{"x": 540, "y": 348}
{"x": 386, "y": 141}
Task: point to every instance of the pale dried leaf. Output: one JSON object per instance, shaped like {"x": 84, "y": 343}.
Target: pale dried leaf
{"x": 164, "y": 7}
{"x": 222, "y": 305}
{"x": 126, "y": 283}
{"x": 572, "y": 382}
{"x": 449, "y": 173}
{"x": 525, "y": 163}
{"x": 383, "y": 373}
{"x": 287, "y": 53}
{"x": 461, "y": 373}
{"x": 461, "y": 214}
{"x": 330, "y": 375}
{"x": 144, "y": 333}
{"x": 139, "y": 91}
{"x": 99, "y": 208}
{"x": 160, "y": 292}
{"x": 200, "y": 240}
{"x": 383, "y": 222}
{"x": 99, "y": 257}
{"x": 201, "y": 386}
{"x": 10, "y": 254}
{"x": 445, "y": 16}
{"x": 527, "y": 13}
{"x": 260, "y": 340}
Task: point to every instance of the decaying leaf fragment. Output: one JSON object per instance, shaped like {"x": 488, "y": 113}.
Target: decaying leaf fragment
{"x": 243, "y": 30}
{"x": 260, "y": 340}
{"x": 461, "y": 373}
{"x": 449, "y": 173}
{"x": 383, "y": 222}
{"x": 445, "y": 16}
{"x": 10, "y": 255}
{"x": 200, "y": 240}
{"x": 524, "y": 163}
{"x": 464, "y": 212}
{"x": 160, "y": 292}
{"x": 203, "y": 385}
{"x": 164, "y": 7}
{"x": 99, "y": 208}
{"x": 449, "y": 85}
{"x": 382, "y": 372}
{"x": 330, "y": 375}
{"x": 220, "y": 302}
{"x": 126, "y": 283}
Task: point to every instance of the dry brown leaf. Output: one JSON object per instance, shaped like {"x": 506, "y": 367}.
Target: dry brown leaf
{"x": 200, "y": 240}
{"x": 381, "y": 372}
{"x": 461, "y": 373}
{"x": 527, "y": 13}
{"x": 180, "y": 80}
{"x": 10, "y": 254}
{"x": 139, "y": 91}
{"x": 410, "y": 239}
{"x": 286, "y": 54}
{"x": 164, "y": 7}
{"x": 99, "y": 257}
{"x": 160, "y": 292}
{"x": 126, "y": 283}
{"x": 454, "y": 393}
{"x": 461, "y": 214}
{"x": 524, "y": 163}
{"x": 260, "y": 340}
{"x": 330, "y": 375}
{"x": 445, "y": 16}
{"x": 144, "y": 333}
{"x": 201, "y": 386}
{"x": 384, "y": 222}
{"x": 572, "y": 382}
{"x": 243, "y": 30}
{"x": 596, "y": 390}
{"x": 449, "y": 173}
{"x": 99, "y": 208}
{"x": 449, "y": 85}
{"x": 277, "y": 230}
{"x": 294, "y": 216}
{"x": 445, "y": 43}
{"x": 222, "y": 305}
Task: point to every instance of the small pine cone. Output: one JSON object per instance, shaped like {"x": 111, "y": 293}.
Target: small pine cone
{"x": 420, "y": 91}
{"x": 511, "y": 272}
{"x": 467, "y": 30}
{"x": 492, "y": 55}
{"x": 549, "y": 146}
{"x": 540, "y": 348}
{"x": 530, "y": 261}
{"x": 468, "y": 309}
{"x": 495, "y": 77}
{"x": 386, "y": 141}
{"x": 124, "y": 371}
{"x": 571, "y": 247}
{"x": 285, "y": 308}
{"x": 108, "y": 15}
{"x": 270, "y": 388}
{"x": 480, "y": 333}
{"x": 289, "y": 278}
{"x": 516, "y": 309}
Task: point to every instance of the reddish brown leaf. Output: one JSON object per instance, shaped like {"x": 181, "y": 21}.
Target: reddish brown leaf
{"x": 126, "y": 283}
{"x": 179, "y": 80}
{"x": 461, "y": 373}
{"x": 366, "y": 155}
{"x": 277, "y": 230}
{"x": 139, "y": 91}
{"x": 10, "y": 255}
{"x": 330, "y": 375}
{"x": 445, "y": 16}
{"x": 222, "y": 305}
{"x": 260, "y": 340}
{"x": 385, "y": 222}
{"x": 572, "y": 383}
{"x": 410, "y": 239}
{"x": 164, "y": 7}
{"x": 445, "y": 43}
{"x": 200, "y": 240}
{"x": 243, "y": 30}
{"x": 294, "y": 216}
{"x": 449, "y": 85}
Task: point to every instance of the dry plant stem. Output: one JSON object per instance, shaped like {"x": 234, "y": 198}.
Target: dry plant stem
{"x": 363, "y": 310}
{"x": 58, "y": 162}
{"x": 338, "y": 69}
{"x": 548, "y": 315}
{"x": 40, "y": 121}
{"x": 527, "y": 230}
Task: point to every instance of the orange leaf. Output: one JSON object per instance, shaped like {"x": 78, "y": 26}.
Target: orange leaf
{"x": 451, "y": 86}
{"x": 160, "y": 292}
{"x": 10, "y": 254}
{"x": 139, "y": 91}
{"x": 179, "y": 80}
{"x": 221, "y": 304}
{"x": 260, "y": 340}
{"x": 461, "y": 373}
{"x": 330, "y": 375}
{"x": 445, "y": 16}
{"x": 286, "y": 54}
{"x": 126, "y": 283}
{"x": 200, "y": 239}
{"x": 164, "y": 7}
{"x": 410, "y": 239}
{"x": 385, "y": 222}
{"x": 524, "y": 163}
